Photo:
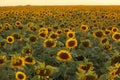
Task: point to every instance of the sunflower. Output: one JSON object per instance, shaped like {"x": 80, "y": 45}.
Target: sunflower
{"x": 107, "y": 32}
{"x": 18, "y": 23}
{"x": 104, "y": 40}
{"x": 45, "y": 73}
{"x": 86, "y": 43}
{"x": 98, "y": 34}
{"x": 70, "y": 34}
{"x": 114, "y": 29}
{"x": 50, "y": 29}
{"x": 115, "y": 59}
{"x": 64, "y": 56}
{"x": 107, "y": 47}
{"x": 84, "y": 28}
{"x": 116, "y": 36}
{"x": 42, "y": 35}
{"x": 53, "y": 35}
{"x": 71, "y": 43}
{"x": 85, "y": 67}
{"x": 10, "y": 39}
{"x": 49, "y": 43}
{"x": 27, "y": 50}
{"x": 29, "y": 60}
{"x": 20, "y": 75}
{"x": 17, "y": 62}
{"x": 2, "y": 60}
{"x": 66, "y": 30}
{"x": 59, "y": 31}
{"x": 17, "y": 36}
{"x": 112, "y": 74}
{"x": 33, "y": 39}
{"x": 43, "y": 30}
{"x": 1, "y": 28}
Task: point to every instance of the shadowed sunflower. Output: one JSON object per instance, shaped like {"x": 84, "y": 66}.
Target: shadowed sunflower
{"x": 71, "y": 43}
{"x": 64, "y": 56}
{"x": 20, "y": 75}
{"x": 116, "y": 36}
{"x": 53, "y": 35}
{"x": 10, "y": 39}
{"x": 115, "y": 59}
{"x": 107, "y": 47}
{"x": 2, "y": 60}
{"x": 49, "y": 43}
{"x": 86, "y": 43}
{"x": 98, "y": 34}
{"x": 17, "y": 62}
{"x": 17, "y": 36}
{"x": 33, "y": 39}
{"x": 29, "y": 60}
{"x": 89, "y": 77}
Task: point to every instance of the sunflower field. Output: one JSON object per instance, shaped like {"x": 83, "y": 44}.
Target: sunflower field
{"x": 60, "y": 43}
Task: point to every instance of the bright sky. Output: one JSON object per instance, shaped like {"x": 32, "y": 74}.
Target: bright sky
{"x": 58, "y": 2}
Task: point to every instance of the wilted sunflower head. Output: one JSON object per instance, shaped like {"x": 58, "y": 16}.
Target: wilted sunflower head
{"x": 20, "y": 75}
{"x": 71, "y": 43}
{"x": 64, "y": 56}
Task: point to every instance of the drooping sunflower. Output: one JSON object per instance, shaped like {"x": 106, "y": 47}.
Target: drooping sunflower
{"x": 17, "y": 62}
{"x": 20, "y": 75}
{"x": 49, "y": 43}
{"x": 10, "y": 39}
{"x": 2, "y": 60}
{"x": 71, "y": 43}
{"x": 84, "y": 28}
{"x": 86, "y": 43}
{"x": 32, "y": 39}
{"x": 64, "y": 55}
{"x": 116, "y": 36}
{"x": 29, "y": 60}
{"x": 70, "y": 34}
{"x": 98, "y": 34}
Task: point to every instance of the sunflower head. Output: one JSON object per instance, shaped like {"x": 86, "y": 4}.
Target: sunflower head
{"x": 84, "y": 28}
{"x": 10, "y": 39}
{"x": 70, "y": 34}
{"x": 49, "y": 43}
{"x": 71, "y": 43}
{"x": 98, "y": 34}
{"x": 107, "y": 47}
{"x": 104, "y": 40}
{"x": 115, "y": 59}
{"x": 89, "y": 77}
{"x": 42, "y": 35}
{"x": 17, "y": 62}
{"x": 53, "y": 35}
{"x": 33, "y": 39}
{"x": 18, "y": 23}
{"x": 64, "y": 56}
{"x": 29, "y": 60}
{"x": 20, "y": 75}
{"x": 2, "y": 60}
{"x": 114, "y": 29}
{"x": 116, "y": 36}
{"x": 107, "y": 32}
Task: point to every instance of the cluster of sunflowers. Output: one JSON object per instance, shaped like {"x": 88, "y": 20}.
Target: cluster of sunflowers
{"x": 59, "y": 43}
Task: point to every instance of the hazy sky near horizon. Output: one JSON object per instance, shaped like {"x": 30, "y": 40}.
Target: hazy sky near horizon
{"x": 58, "y": 2}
